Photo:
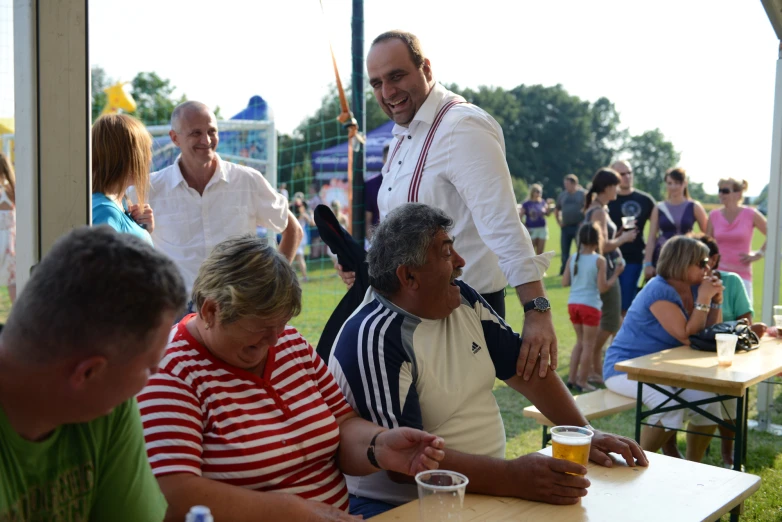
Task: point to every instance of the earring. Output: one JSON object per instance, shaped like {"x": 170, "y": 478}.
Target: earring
{"x": 206, "y": 326}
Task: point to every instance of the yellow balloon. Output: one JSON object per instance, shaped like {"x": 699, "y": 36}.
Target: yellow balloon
{"x": 118, "y": 97}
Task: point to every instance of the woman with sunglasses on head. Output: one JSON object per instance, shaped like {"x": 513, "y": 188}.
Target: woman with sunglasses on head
{"x": 663, "y": 315}
{"x": 675, "y": 216}
{"x": 733, "y": 226}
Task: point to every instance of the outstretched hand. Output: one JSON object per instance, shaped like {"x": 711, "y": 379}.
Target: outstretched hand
{"x": 605, "y": 443}
{"x": 409, "y": 451}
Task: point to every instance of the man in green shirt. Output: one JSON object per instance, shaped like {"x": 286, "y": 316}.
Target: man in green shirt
{"x": 82, "y": 339}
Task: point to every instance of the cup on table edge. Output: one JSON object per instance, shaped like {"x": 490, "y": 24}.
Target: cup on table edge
{"x": 571, "y": 443}
{"x": 778, "y": 316}
{"x": 726, "y": 348}
{"x": 628, "y": 222}
{"x": 441, "y": 495}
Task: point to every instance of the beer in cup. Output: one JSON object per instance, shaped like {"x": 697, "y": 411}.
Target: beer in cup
{"x": 571, "y": 443}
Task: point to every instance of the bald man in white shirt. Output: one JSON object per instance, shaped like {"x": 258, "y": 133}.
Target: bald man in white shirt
{"x": 201, "y": 199}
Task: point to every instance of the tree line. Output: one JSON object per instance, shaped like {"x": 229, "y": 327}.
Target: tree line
{"x": 548, "y": 133}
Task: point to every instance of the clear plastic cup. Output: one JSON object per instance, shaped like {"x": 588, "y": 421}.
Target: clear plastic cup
{"x": 778, "y": 316}
{"x": 628, "y": 222}
{"x": 726, "y": 348}
{"x": 571, "y": 443}
{"x": 441, "y": 495}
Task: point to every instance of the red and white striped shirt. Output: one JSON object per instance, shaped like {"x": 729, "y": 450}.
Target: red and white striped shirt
{"x": 272, "y": 433}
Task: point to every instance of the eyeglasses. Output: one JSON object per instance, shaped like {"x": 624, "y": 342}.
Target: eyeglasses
{"x": 703, "y": 263}
{"x": 726, "y": 190}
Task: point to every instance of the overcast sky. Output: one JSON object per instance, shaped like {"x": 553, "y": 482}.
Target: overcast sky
{"x": 702, "y": 72}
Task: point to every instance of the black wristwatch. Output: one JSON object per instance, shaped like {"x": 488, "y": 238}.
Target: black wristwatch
{"x": 539, "y": 304}
{"x": 371, "y": 451}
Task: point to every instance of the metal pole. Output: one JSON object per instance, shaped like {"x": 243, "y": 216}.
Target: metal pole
{"x": 771, "y": 275}
{"x": 357, "y": 88}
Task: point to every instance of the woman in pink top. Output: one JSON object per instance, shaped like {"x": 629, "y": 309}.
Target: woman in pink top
{"x": 732, "y": 226}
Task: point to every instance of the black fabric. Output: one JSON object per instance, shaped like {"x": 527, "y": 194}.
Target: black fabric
{"x": 705, "y": 340}
{"x": 497, "y": 301}
{"x": 352, "y": 257}
{"x": 639, "y": 205}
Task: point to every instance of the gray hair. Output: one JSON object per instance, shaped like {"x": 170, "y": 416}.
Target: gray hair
{"x": 181, "y": 109}
{"x": 96, "y": 292}
{"x": 403, "y": 238}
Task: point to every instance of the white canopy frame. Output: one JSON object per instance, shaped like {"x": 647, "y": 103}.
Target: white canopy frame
{"x": 771, "y": 276}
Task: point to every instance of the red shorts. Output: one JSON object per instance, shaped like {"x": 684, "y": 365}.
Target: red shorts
{"x": 583, "y": 314}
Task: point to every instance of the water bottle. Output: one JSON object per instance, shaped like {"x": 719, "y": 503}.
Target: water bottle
{"x": 199, "y": 514}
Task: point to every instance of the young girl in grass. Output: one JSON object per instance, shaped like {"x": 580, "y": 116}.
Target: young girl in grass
{"x": 585, "y": 274}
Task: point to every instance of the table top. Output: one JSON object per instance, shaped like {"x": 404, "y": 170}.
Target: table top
{"x": 684, "y": 367}
{"x": 669, "y": 489}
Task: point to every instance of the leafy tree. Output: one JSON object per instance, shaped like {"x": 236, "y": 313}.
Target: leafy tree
{"x": 154, "y": 98}
{"x": 520, "y": 189}
{"x": 651, "y": 155}
{"x": 153, "y": 95}
{"x": 99, "y": 82}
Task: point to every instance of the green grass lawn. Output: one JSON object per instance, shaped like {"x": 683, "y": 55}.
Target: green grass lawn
{"x": 324, "y": 290}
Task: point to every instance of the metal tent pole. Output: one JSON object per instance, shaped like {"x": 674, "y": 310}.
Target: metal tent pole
{"x": 357, "y": 88}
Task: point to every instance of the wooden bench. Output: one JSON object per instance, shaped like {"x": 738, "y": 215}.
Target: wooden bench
{"x": 593, "y": 405}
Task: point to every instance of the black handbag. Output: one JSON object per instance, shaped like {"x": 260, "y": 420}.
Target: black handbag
{"x": 705, "y": 340}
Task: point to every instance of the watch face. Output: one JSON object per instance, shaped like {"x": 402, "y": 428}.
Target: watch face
{"x": 541, "y": 303}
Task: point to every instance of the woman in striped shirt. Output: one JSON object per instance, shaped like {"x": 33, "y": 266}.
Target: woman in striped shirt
{"x": 243, "y": 407}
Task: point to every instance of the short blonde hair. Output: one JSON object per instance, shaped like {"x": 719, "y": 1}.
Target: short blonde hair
{"x": 121, "y": 155}
{"x": 734, "y": 184}
{"x": 677, "y": 255}
{"x": 247, "y": 277}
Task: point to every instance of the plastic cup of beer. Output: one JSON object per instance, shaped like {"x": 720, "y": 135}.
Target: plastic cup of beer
{"x": 441, "y": 495}
{"x": 726, "y": 348}
{"x": 628, "y": 222}
{"x": 571, "y": 443}
{"x": 778, "y": 316}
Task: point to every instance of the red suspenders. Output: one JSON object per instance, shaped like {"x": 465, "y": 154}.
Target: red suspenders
{"x": 415, "y": 182}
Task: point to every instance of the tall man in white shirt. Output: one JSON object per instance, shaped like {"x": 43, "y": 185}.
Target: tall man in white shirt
{"x": 452, "y": 156}
{"x": 201, "y": 200}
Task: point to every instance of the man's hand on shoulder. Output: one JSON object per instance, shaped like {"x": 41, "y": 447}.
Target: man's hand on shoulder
{"x": 542, "y": 478}
{"x": 605, "y": 443}
{"x": 538, "y": 340}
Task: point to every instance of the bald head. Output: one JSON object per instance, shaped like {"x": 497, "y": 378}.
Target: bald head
{"x": 625, "y": 172}
{"x": 184, "y": 109}
{"x": 194, "y": 131}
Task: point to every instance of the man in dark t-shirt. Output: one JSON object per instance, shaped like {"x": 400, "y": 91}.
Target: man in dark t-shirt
{"x": 630, "y": 203}
{"x": 569, "y": 212}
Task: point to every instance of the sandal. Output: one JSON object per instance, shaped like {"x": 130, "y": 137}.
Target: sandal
{"x": 597, "y": 381}
{"x": 583, "y": 389}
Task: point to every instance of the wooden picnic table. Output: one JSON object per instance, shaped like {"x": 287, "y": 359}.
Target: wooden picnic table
{"x": 669, "y": 489}
{"x": 686, "y": 368}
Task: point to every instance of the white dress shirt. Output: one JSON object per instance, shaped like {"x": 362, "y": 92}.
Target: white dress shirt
{"x": 467, "y": 177}
{"x": 188, "y": 225}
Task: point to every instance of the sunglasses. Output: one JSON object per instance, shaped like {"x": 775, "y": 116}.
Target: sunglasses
{"x": 726, "y": 190}
{"x": 703, "y": 263}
